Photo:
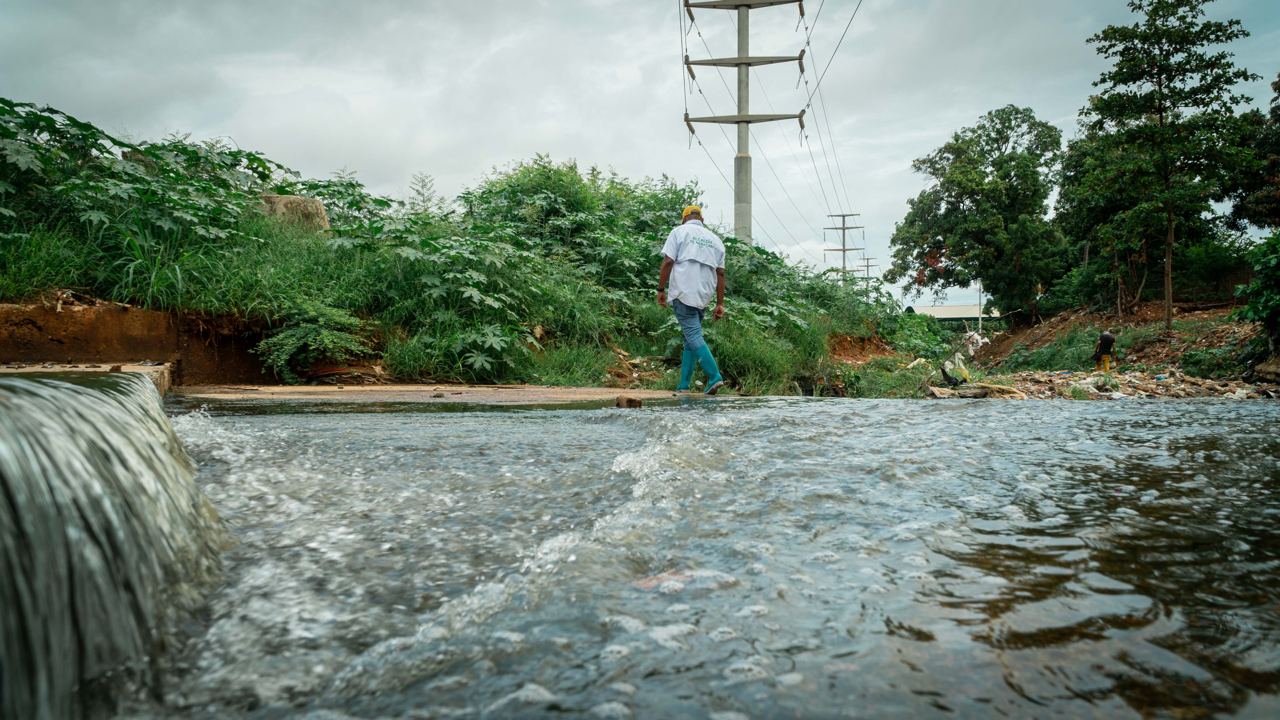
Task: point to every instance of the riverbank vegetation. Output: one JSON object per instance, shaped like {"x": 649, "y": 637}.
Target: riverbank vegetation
{"x": 1151, "y": 200}
{"x": 540, "y": 273}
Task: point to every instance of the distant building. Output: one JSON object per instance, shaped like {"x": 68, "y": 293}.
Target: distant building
{"x": 955, "y": 312}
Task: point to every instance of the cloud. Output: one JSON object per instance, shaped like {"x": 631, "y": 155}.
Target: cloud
{"x": 454, "y": 89}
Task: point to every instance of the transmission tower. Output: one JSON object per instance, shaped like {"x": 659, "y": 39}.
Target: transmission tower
{"x": 743, "y": 119}
{"x": 844, "y": 249}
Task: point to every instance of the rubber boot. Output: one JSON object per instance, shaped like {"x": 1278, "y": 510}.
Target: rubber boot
{"x": 688, "y": 361}
{"x": 708, "y": 363}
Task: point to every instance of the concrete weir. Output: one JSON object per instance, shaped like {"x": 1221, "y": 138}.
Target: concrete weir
{"x": 105, "y": 540}
{"x": 160, "y": 375}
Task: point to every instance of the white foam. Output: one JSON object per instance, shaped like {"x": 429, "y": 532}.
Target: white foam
{"x": 530, "y": 694}
{"x": 668, "y": 636}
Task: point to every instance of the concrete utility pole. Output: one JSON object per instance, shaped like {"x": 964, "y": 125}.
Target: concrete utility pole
{"x": 844, "y": 248}
{"x": 743, "y": 118}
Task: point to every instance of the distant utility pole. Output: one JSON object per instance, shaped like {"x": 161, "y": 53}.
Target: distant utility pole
{"x": 844, "y": 248}
{"x": 866, "y": 267}
{"x": 743, "y": 118}
{"x": 866, "y": 261}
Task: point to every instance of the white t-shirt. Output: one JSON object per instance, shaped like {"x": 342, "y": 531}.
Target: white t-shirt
{"x": 697, "y": 252}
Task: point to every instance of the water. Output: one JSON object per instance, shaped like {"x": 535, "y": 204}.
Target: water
{"x": 789, "y": 558}
{"x": 104, "y": 541}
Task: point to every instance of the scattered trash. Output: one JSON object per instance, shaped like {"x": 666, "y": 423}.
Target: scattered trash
{"x": 1171, "y": 383}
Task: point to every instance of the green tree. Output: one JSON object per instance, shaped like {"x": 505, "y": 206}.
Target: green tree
{"x": 1255, "y": 187}
{"x": 984, "y": 217}
{"x": 1168, "y": 100}
{"x": 1100, "y": 208}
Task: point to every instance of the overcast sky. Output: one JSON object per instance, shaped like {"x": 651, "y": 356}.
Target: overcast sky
{"x": 455, "y": 88}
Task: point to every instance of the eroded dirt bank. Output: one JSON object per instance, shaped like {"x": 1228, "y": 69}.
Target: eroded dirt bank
{"x": 86, "y": 331}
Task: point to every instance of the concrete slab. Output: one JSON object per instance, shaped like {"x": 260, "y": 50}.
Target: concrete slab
{"x": 468, "y": 394}
{"x": 161, "y": 374}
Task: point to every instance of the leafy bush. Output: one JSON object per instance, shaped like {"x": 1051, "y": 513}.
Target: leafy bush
{"x": 917, "y": 335}
{"x": 313, "y": 333}
{"x": 887, "y": 377}
{"x": 1263, "y": 294}
{"x": 58, "y": 169}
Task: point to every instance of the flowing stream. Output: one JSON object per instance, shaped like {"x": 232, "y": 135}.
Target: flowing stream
{"x": 740, "y": 559}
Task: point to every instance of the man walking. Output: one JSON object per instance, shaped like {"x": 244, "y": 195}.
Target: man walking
{"x": 693, "y": 267}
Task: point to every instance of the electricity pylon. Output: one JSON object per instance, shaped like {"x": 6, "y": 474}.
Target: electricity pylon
{"x": 743, "y": 119}
{"x": 844, "y": 248}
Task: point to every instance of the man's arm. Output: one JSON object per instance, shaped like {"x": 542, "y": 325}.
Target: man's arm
{"x": 664, "y": 276}
{"x": 719, "y": 313}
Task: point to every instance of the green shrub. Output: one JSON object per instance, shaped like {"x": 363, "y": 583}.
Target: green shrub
{"x": 313, "y": 333}
{"x": 888, "y": 377}
{"x": 751, "y": 360}
{"x": 1263, "y": 294}
{"x": 917, "y": 335}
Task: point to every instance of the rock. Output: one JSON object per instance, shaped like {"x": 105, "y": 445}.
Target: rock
{"x": 116, "y": 368}
{"x": 626, "y": 401}
{"x": 1268, "y": 371}
{"x": 296, "y": 210}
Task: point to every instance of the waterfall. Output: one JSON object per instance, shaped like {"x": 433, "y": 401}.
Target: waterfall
{"x": 105, "y": 541}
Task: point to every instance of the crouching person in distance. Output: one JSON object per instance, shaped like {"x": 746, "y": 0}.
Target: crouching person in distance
{"x": 693, "y": 269}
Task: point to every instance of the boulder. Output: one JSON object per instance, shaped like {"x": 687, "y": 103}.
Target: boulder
{"x": 1268, "y": 371}
{"x": 627, "y": 401}
{"x": 304, "y": 212}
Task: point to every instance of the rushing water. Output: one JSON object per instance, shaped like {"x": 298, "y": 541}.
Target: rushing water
{"x": 788, "y": 558}
{"x": 104, "y": 540}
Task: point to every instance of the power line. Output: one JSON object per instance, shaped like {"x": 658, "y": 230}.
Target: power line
{"x": 849, "y": 24}
{"x": 835, "y": 149}
{"x": 818, "y": 175}
{"x": 826, "y": 159}
{"x": 826, "y": 115}
{"x": 729, "y": 182}
{"x": 768, "y": 163}
{"x": 809, "y": 30}
{"x": 810, "y": 178}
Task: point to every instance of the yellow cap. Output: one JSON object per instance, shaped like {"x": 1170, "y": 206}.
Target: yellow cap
{"x": 690, "y": 210}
